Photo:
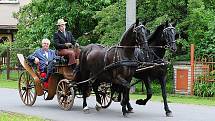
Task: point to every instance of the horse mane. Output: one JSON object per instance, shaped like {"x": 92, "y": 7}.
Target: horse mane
{"x": 126, "y": 32}
{"x": 155, "y": 34}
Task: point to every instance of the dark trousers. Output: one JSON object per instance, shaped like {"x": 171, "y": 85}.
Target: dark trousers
{"x": 49, "y": 71}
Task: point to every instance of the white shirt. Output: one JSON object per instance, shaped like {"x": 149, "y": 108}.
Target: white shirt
{"x": 47, "y": 55}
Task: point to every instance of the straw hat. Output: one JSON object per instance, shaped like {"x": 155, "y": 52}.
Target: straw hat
{"x": 60, "y": 22}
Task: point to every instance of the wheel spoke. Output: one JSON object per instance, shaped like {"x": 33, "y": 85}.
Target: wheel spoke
{"x": 27, "y": 89}
{"x": 64, "y": 93}
{"x": 60, "y": 87}
{"x": 24, "y": 92}
{"x": 25, "y": 97}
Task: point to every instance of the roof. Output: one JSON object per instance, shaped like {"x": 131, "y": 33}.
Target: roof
{"x": 6, "y": 13}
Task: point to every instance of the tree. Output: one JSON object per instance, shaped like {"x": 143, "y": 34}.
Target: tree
{"x": 37, "y": 20}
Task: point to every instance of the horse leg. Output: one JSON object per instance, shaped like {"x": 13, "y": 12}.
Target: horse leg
{"x": 130, "y": 109}
{"x": 147, "y": 83}
{"x": 85, "y": 95}
{"x": 98, "y": 98}
{"x": 125, "y": 95}
{"x": 163, "y": 88}
{"x": 124, "y": 101}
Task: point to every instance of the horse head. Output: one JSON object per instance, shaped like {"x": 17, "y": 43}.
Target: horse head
{"x": 168, "y": 35}
{"x": 135, "y": 36}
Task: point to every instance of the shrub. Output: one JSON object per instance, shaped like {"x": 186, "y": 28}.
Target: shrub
{"x": 204, "y": 89}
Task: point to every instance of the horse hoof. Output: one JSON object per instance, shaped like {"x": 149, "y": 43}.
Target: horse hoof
{"x": 98, "y": 108}
{"x": 125, "y": 114}
{"x": 130, "y": 111}
{"x": 169, "y": 114}
{"x": 141, "y": 102}
{"x": 86, "y": 110}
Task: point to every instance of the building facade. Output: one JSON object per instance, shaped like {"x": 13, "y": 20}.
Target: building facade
{"x": 8, "y": 24}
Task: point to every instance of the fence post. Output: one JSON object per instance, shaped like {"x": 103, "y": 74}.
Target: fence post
{"x": 192, "y": 49}
{"x": 8, "y": 63}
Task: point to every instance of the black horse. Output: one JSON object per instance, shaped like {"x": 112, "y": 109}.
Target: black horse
{"x": 115, "y": 65}
{"x": 162, "y": 38}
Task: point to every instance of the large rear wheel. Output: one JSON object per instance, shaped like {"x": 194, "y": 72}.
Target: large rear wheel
{"x": 27, "y": 89}
{"x": 65, "y": 94}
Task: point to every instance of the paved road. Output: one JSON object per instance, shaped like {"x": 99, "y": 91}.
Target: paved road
{"x": 153, "y": 111}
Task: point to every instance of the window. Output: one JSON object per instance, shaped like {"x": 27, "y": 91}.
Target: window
{"x": 9, "y": 1}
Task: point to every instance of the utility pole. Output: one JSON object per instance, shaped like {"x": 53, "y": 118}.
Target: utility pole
{"x": 130, "y": 12}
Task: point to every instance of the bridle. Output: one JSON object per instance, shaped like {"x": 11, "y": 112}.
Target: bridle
{"x": 136, "y": 30}
{"x": 165, "y": 37}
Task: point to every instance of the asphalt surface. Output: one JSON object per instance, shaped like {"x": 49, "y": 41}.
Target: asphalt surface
{"x": 153, "y": 111}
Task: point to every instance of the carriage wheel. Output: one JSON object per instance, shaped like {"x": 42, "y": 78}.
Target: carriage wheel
{"x": 105, "y": 94}
{"x": 27, "y": 89}
{"x": 65, "y": 94}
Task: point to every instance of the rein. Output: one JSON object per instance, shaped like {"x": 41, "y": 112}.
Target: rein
{"x": 119, "y": 46}
{"x": 165, "y": 46}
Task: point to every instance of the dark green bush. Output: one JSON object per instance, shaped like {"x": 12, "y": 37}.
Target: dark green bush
{"x": 204, "y": 89}
{"x": 156, "y": 88}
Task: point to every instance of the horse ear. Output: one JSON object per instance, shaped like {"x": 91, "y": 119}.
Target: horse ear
{"x": 137, "y": 21}
{"x": 144, "y": 23}
{"x": 174, "y": 23}
{"x": 177, "y": 35}
{"x": 167, "y": 23}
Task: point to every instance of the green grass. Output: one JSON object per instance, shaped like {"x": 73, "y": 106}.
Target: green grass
{"x": 9, "y": 116}
{"x": 4, "y": 83}
{"x": 176, "y": 98}
{"x": 8, "y": 84}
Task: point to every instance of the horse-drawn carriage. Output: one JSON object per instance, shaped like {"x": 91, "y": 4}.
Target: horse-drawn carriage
{"x": 105, "y": 70}
{"x": 60, "y": 83}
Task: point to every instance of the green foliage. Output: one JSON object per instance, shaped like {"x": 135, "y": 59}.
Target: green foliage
{"x": 4, "y": 47}
{"x": 204, "y": 89}
{"x": 201, "y": 28}
{"x": 156, "y": 88}
{"x": 111, "y": 23}
{"x": 37, "y": 20}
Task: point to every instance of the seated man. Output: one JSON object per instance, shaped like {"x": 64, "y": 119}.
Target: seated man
{"x": 63, "y": 41}
{"x": 44, "y": 57}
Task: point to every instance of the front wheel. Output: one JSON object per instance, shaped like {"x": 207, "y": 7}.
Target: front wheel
{"x": 104, "y": 90}
{"x": 65, "y": 94}
{"x": 27, "y": 91}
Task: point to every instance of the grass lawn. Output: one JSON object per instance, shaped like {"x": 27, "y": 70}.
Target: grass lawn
{"x": 9, "y": 116}
{"x": 4, "y": 83}
{"x": 8, "y": 84}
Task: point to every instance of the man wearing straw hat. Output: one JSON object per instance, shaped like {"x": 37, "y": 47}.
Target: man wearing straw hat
{"x": 64, "y": 40}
